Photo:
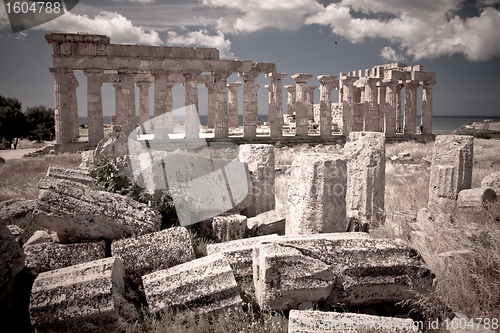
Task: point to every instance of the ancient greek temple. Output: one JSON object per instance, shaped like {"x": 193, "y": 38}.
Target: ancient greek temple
{"x": 369, "y": 100}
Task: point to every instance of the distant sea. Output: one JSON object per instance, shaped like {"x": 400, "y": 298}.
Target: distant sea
{"x": 440, "y": 124}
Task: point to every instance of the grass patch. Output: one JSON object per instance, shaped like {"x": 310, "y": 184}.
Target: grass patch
{"x": 19, "y": 177}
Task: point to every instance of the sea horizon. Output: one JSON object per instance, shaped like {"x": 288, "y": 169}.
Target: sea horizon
{"x": 440, "y": 124}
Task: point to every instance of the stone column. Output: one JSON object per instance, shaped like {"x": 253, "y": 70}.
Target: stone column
{"x": 328, "y": 83}
{"x": 221, "y": 111}
{"x": 233, "y": 103}
{"x": 427, "y": 107}
{"x": 310, "y": 102}
{"x": 347, "y": 103}
{"x": 117, "y": 121}
{"x": 163, "y": 121}
{"x": 62, "y": 103}
{"x": 144, "y": 103}
{"x": 94, "y": 104}
{"x": 371, "y": 111}
{"x": 382, "y": 90}
{"x": 301, "y": 123}
{"x": 128, "y": 111}
{"x": 410, "y": 121}
{"x": 290, "y": 106}
{"x": 399, "y": 86}
{"x": 275, "y": 103}
{"x": 365, "y": 194}
{"x": 390, "y": 108}
{"x": 210, "y": 105}
{"x": 75, "y": 132}
{"x": 250, "y": 111}
{"x": 191, "y": 98}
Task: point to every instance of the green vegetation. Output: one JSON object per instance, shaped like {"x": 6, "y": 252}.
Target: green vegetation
{"x": 12, "y": 122}
{"x": 37, "y": 124}
{"x": 40, "y": 121}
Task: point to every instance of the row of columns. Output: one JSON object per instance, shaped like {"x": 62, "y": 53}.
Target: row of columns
{"x": 381, "y": 104}
{"x": 381, "y": 98}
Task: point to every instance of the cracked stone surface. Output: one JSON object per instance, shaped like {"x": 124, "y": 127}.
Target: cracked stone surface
{"x": 366, "y": 270}
{"x": 79, "y": 213}
{"x": 204, "y": 285}
{"x": 153, "y": 252}
{"x": 49, "y": 256}
{"x": 79, "y": 297}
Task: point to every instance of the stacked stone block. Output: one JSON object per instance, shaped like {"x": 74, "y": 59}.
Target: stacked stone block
{"x": 316, "y": 195}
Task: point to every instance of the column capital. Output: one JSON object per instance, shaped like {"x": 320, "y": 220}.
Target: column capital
{"x": 221, "y": 74}
{"x": 301, "y": 77}
{"x": 411, "y": 83}
{"x": 248, "y": 76}
{"x": 191, "y": 74}
{"x": 428, "y": 84}
{"x": 275, "y": 76}
{"x": 210, "y": 85}
{"x": 143, "y": 84}
{"x": 234, "y": 86}
{"x": 327, "y": 79}
{"x": 61, "y": 71}
{"x": 156, "y": 73}
{"x": 291, "y": 88}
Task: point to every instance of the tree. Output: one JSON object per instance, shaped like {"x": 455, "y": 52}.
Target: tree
{"x": 12, "y": 121}
{"x": 40, "y": 121}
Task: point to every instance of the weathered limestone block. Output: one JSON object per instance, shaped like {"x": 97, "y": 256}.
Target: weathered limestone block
{"x": 271, "y": 222}
{"x": 16, "y": 231}
{"x": 365, "y": 270}
{"x": 78, "y": 298}
{"x": 15, "y": 208}
{"x": 365, "y": 155}
{"x": 239, "y": 253}
{"x": 11, "y": 255}
{"x": 49, "y": 256}
{"x": 314, "y": 321}
{"x": 451, "y": 169}
{"x": 153, "y": 252}
{"x": 200, "y": 286}
{"x": 78, "y": 213}
{"x": 492, "y": 181}
{"x": 316, "y": 195}
{"x": 224, "y": 228}
{"x": 79, "y": 175}
{"x": 284, "y": 277}
{"x": 476, "y": 197}
{"x": 42, "y": 236}
{"x": 260, "y": 159}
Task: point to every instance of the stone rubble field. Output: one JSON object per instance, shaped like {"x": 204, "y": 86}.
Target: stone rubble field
{"x": 312, "y": 252}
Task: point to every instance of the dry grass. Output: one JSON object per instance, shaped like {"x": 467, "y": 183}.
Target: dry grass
{"x": 469, "y": 283}
{"x": 19, "y": 177}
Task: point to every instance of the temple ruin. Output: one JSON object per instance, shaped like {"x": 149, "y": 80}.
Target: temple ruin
{"x": 369, "y": 100}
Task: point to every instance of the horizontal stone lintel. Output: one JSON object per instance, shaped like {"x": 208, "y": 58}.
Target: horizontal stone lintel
{"x": 204, "y": 65}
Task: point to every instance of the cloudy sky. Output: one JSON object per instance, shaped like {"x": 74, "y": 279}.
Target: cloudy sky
{"x": 460, "y": 40}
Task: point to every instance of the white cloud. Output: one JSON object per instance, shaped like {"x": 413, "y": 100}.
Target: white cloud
{"x": 423, "y": 29}
{"x": 118, "y": 27}
{"x": 202, "y": 38}
{"x": 389, "y": 54}
{"x": 254, "y": 15}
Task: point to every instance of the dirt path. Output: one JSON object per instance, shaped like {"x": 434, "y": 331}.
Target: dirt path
{"x": 10, "y": 154}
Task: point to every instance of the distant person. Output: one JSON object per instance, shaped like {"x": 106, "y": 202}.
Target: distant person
{"x": 258, "y": 122}
{"x": 421, "y": 128}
